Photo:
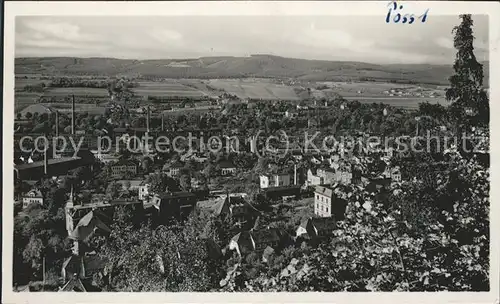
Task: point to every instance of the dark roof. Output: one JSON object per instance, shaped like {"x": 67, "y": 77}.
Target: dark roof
{"x": 139, "y": 129}
{"x": 52, "y": 161}
{"x": 120, "y": 130}
{"x": 176, "y": 164}
{"x": 324, "y": 223}
{"x": 86, "y": 227}
{"x": 266, "y": 235}
{"x": 226, "y": 164}
{"x": 168, "y": 195}
{"x": 236, "y": 200}
{"x": 282, "y": 188}
{"x": 323, "y": 190}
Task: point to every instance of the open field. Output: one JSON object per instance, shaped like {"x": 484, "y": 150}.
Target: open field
{"x": 61, "y": 92}
{"x": 400, "y": 102}
{"x": 254, "y": 88}
{"x": 374, "y": 89}
{"x": 166, "y": 89}
{"x": 253, "y": 66}
{"x": 66, "y": 107}
{"x": 20, "y": 83}
{"x": 23, "y": 99}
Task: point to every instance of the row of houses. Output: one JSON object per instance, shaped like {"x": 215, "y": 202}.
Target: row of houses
{"x": 266, "y": 241}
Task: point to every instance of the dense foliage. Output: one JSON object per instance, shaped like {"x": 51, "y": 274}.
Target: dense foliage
{"x": 470, "y": 101}
{"x": 381, "y": 247}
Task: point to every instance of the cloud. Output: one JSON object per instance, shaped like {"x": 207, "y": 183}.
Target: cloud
{"x": 444, "y": 42}
{"x": 318, "y": 37}
{"x": 42, "y": 29}
{"x": 330, "y": 40}
{"x": 166, "y": 35}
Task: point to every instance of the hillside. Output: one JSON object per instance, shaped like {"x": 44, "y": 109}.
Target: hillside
{"x": 237, "y": 67}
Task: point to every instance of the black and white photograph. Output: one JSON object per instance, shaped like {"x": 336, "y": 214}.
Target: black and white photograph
{"x": 222, "y": 148}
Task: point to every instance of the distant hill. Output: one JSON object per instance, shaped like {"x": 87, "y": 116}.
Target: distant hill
{"x": 234, "y": 67}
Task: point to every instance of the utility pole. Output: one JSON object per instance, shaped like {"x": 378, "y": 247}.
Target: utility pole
{"x": 43, "y": 274}
{"x": 417, "y": 119}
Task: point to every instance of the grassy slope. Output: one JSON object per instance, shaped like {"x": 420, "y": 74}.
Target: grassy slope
{"x": 228, "y": 67}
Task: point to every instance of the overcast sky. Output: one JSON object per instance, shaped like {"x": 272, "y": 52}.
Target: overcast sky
{"x": 358, "y": 38}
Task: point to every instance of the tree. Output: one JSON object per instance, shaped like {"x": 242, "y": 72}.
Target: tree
{"x": 158, "y": 182}
{"x": 127, "y": 185}
{"x": 209, "y": 171}
{"x": 146, "y": 164}
{"x": 41, "y": 234}
{"x": 470, "y": 105}
{"x": 113, "y": 190}
{"x": 185, "y": 182}
{"x": 164, "y": 259}
{"x": 381, "y": 246}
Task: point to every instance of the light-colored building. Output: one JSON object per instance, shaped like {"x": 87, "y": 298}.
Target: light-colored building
{"x": 173, "y": 170}
{"x": 291, "y": 114}
{"x": 118, "y": 170}
{"x": 105, "y": 157}
{"x": 274, "y": 180}
{"x": 227, "y": 168}
{"x": 330, "y": 201}
{"x": 144, "y": 191}
{"x": 33, "y": 196}
{"x": 328, "y": 175}
{"x": 130, "y": 184}
{"x": 313, "y": 179}
{"x": 323, "y": 197}
{"x": 394, "y": 174}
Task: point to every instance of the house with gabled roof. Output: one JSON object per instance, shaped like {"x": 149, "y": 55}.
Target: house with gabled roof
{"x": 315, "y": 228}
{"x": 173, "y": 169}
{"x": 86, "y": 228}
{"x": 34, "y": 196}
{"x": 238, "y": 209}
{"x": 77, "y": 272}
{"x": 246, "y": 242}
{"x": 174, "y": 204}
{"x": 227, "y": 168}
{"x": 274, "y": 180}
{"x": 329, "y": 201}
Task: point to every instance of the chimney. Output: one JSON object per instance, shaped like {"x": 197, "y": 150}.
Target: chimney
{"x": 162, "y": 122}
{"x": 147, "y": 119}
{"x": 294, "y": 174}
{"x": 73, "y": 115}
{"x": 57, "y": 123}
{"x": 45, "y": 161}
